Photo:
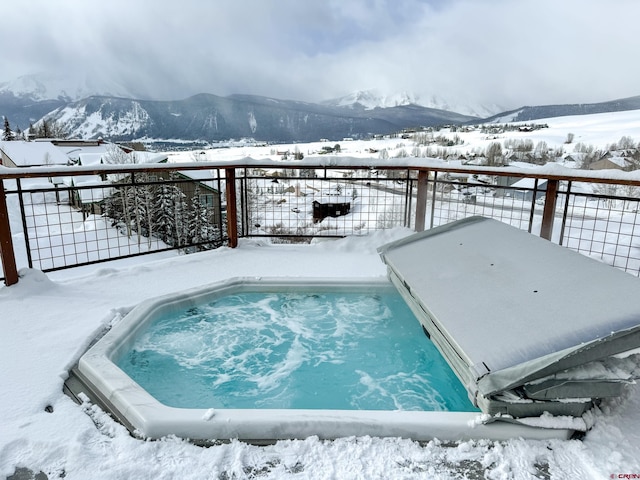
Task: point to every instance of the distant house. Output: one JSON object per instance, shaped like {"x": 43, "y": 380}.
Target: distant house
{"x": 88, "y": 194}
{"x": 330, "y": 206}
{"x": 206, "y": 189}
{"x": 577, "y": 158}
{"x": 524, "y": 189}
{"x": 22, "y": 154}
{"x": 612, "y": 163}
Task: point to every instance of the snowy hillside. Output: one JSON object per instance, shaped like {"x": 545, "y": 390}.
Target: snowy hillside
{"x": 83, "y": 121}
{"x": 597, "y": 131}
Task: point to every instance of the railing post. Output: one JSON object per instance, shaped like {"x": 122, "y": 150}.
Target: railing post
{"x": 421, "y": 199}
{"x": 6, "y": 244}
{"x": 232, "y": 209}
{"x": 548, "y": 214}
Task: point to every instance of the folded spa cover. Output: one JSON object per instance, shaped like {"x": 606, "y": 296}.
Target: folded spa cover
{"x": 528, "y": 326}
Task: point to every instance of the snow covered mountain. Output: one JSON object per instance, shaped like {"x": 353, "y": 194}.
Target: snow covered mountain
{"x": 371, "y": 99}
{"x": 213, "y": 118}
{"x": 26, "y": 99}
{"x": 90, "y": 109}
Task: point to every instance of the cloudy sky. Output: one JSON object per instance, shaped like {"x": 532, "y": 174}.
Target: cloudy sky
{"x": 506, "y": 52}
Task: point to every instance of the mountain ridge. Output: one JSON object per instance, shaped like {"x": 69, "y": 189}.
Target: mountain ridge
{"x": 212, "y": 118}
{"x": 528, "y": 113}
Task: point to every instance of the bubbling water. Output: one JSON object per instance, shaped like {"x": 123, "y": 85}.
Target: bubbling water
{"x": 292, "y": 350}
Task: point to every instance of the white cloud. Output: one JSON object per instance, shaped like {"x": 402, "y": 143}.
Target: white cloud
{"x": 494, "y": 51}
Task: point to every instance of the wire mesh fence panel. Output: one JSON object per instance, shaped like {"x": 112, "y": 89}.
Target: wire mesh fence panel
{"x": 93, "y": 219}
{"x": 605, "y": 228}
{"x": 457, "y": 199}
{"x": 296, "y": 205}
{"x": 133, "y": 215}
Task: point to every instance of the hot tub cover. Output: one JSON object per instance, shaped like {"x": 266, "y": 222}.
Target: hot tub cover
{"x": 528, "y": 326}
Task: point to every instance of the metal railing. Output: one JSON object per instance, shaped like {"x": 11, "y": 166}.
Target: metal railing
{"x": 63, "y": 217}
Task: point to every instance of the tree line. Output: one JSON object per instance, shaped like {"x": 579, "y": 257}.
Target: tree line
{"x": 43, "y": 129}
{"x": 162, "y": 211}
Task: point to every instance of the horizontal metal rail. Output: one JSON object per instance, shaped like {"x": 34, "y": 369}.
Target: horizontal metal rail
{"x": 66, "y": 217}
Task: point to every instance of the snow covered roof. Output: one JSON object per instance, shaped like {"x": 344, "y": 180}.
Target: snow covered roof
{"x": 150, "y": 157}
{"x": 33, "y": 154}
{"x": 620, "y": 161}
{"x": 81, "y": 153}
{"x": 93, "y": 158}
{"x": 530, "y": 183}
{"x": 511, "y": 311}
{"x": 332, "y": 199}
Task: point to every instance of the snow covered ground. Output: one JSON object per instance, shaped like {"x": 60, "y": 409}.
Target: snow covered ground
{"x": 597, "y": 130}
{"x": 47, "y": 322}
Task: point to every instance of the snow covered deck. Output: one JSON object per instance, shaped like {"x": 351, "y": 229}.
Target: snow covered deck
{"x": 57, "y": 315}
{"x": 528, "y": 326}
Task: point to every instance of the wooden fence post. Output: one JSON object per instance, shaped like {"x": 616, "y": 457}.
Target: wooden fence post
{"x": 6, "y": 244}
{"x": 421, "y": 199}
{"x": 548, "y": 214}
{"x": 232, "y": 209}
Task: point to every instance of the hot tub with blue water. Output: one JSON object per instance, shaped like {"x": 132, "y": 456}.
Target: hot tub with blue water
{"x": 268, "y": 359}
{"x": 333, "y": 349}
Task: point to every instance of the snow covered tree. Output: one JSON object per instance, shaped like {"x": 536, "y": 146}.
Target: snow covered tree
{"x": 117, "y": 209}
{"x": 7, "y": 135}
{"x": 180, "y": 220}
{"x": 625, "y": 143}
{"x": 117, "y": 156}
{"x": 141, "y": 204}
{"x": 541, "y": 152}
{"x": 392, "y": 216}
{"x": 251, "y": 204}
{"x": 130, "y": 207}
{"x": 168, "y": 214}
{"x": 202, "y": 233}
{"x": 121, "y": 206}
{"x": 494, "y": 154}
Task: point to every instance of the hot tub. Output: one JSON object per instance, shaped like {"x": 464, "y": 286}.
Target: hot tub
{"x": 103, "y": 381}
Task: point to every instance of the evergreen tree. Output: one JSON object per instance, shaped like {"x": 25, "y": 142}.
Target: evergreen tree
{"x": 201, "y": 231}
{"x": 180, "y": 217}
{"x": 168, "y": 211}
{"x": 7, "y": 134}
{"x": 140, "y": 203}
{"x": 195, "y": 219}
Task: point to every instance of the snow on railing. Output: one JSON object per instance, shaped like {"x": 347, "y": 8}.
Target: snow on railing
{"x": 71, "y": 216}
